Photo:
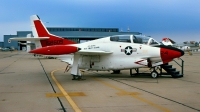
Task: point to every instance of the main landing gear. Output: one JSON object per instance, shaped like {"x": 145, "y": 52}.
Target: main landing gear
{"x": 137, "y": 72}
{"x": 79, "y": 76}
{"x": 76, "y": 77}
{"x": 116, "y": 72}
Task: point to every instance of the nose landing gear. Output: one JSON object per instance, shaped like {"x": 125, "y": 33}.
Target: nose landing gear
{"x": 154, "y": 73}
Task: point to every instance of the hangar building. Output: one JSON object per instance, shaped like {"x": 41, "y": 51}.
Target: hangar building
{"x": 1, "y": 44}
{"x": 78, "y": 35}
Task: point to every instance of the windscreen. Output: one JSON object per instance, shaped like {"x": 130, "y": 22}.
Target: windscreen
{"x": 141, "y": 39}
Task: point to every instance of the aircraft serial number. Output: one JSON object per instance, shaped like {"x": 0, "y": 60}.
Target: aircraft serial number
{"x": 92, "y": 47}
{"x": 54, "y": 42}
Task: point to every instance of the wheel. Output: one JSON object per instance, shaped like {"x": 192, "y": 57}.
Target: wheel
{"x": 154, "y": 74}
{"x": 116, "y": 71}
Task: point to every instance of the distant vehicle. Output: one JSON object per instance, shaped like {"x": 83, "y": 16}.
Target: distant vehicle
{"x": 5, "y": 49}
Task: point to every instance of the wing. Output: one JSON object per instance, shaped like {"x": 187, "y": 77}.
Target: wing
{"x": 68, "y": 61}
{"x": 66, "y": 58}
{"x": 93, "y": 52}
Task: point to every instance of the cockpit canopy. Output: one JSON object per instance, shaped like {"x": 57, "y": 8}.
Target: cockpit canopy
{"x": 140, "y": 39}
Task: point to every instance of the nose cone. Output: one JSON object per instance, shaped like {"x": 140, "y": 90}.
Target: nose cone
{"x": 182, "y": 52}
{"x": 168, "y": 53}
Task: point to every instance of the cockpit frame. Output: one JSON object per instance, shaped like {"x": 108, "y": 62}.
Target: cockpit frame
{"x": 138, "y": 39}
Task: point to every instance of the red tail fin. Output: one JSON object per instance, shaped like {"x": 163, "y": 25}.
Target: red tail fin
{"x": 39, "y": 30}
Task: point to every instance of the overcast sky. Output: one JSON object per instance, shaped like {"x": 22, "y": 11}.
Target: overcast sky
{"x": 176, "y": 19}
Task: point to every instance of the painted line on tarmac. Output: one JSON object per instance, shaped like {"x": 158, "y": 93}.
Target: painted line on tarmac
{"x": 135, "y": 96}
{"x": 63, "y": 108}
{"x": 69, "y": 99}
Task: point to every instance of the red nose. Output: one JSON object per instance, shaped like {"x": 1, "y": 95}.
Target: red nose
{"x": 55, "y": 50}
{"x": 169, "y": 53}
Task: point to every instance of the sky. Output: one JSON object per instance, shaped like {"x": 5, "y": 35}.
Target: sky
{"x": 175, "y": 19}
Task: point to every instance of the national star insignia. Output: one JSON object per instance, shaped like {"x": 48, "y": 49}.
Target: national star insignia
{"x": 128, "y": 50}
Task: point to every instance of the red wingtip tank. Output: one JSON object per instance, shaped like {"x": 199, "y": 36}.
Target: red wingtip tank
{"x": 55, "y": 50}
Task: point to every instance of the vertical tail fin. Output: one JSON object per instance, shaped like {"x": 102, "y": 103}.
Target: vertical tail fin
{"x": 167, "y": 41}
{"x": 39, "y": 30}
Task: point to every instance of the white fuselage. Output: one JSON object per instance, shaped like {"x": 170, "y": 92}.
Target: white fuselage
{"x": 121, "y": 56}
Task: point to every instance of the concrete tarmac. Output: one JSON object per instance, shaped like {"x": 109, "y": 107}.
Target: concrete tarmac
{"x": 27, "y": 85}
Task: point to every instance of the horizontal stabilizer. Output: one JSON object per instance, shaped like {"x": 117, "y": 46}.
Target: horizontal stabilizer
{"x": 29, "y": 39}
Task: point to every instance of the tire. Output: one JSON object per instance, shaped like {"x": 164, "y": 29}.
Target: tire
{"x": 116, "y": 71}
{"x": 154, "y": 74}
